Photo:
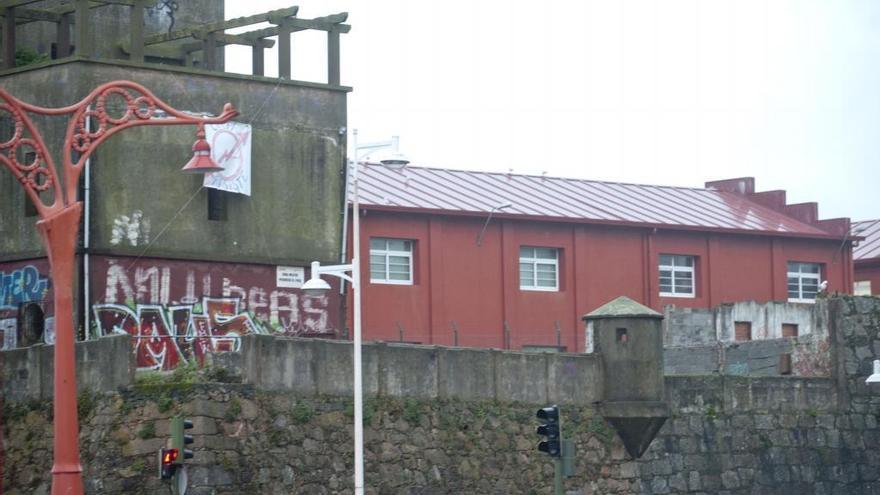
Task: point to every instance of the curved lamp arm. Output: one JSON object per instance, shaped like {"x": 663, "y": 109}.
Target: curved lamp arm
{"x": 137, "y": 107}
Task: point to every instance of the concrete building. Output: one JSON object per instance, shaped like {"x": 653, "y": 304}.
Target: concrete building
{"x": 159, "y": 253}
{"x": 514, "y": 261}
{"x": 866, "y": 257}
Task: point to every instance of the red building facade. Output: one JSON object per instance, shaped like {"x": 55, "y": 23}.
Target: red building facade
{"x": 866, "y": 255}
{"x": 443, "y": 271}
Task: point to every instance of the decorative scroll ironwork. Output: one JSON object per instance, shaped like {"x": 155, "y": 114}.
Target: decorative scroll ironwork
{"x": 91, "y": 122}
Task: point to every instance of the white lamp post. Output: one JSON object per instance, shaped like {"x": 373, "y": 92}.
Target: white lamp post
{"x": 875, "y": 377}
{"x": 317, "y": 286}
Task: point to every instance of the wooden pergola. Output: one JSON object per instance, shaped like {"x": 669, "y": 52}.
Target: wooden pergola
{"x": 174, "y": 45}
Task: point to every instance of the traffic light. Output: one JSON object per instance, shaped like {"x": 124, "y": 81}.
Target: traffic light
{"x": 167, "y": 460}
{"x": 180, "y": 439}
{"x": 550, "y": 429}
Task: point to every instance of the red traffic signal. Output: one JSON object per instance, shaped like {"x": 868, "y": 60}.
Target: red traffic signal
{"x": 169, "y": 456}
{"x": 167, "y": 466}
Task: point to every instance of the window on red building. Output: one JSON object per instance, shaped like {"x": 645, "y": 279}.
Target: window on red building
{"x": 862, "y": 288}
{"x": 803, "y": 281}
{"x": 391, "y": 261}
{"x": 538, "y": 268}
{"x": 677, "y": 275}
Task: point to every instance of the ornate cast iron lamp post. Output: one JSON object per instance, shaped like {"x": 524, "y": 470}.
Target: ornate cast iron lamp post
{"x": 60, "y": 214}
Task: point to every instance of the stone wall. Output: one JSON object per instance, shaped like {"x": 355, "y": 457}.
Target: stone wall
{"x": 684, "y": 327}
{"x": 809, "y": 356}
{"x": 699, "y": 341}
{"x": 727, "y": 435}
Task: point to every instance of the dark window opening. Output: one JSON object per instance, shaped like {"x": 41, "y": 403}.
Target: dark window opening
{"x": 789, "y": 330}
{"x": 32, "y": 325}
{"x": 743, "y": 331}
{"x": 622, "y": 336}
{"x": 217, "y": 205}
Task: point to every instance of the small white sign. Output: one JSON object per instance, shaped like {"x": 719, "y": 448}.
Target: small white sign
{"x": 290, "y": 276}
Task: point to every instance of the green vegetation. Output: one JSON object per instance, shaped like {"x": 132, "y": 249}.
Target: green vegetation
{"x": 302, "y": 413}
{"x": 25, "y": 56}
{"x": 147, "y": 430}
{"x": 164, "y": 403}
{"x": 711, "y": 412}
{"x": 412, "y": 411}
{"x": 220, "y": 374}
{"x": 85, "y": 404}
{"x": 233, "y": 410}
{"x": 600, "y": 429}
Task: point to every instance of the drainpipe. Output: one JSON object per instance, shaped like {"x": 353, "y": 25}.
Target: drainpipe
{"x": 86, "y": 223}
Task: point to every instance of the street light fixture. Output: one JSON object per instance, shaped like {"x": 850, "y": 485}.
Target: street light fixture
{"x": 317, "y": 286}
{"x": 60, "y": 213}
{"x": 875, "y": 377}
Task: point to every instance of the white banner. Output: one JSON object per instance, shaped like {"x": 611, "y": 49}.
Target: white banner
{"x": 230, "y": 149}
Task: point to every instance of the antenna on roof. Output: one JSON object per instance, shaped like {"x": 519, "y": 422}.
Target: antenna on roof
{"x": 486, "y": 224}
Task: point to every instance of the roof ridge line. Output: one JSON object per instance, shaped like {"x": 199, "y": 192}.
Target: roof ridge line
{"x": 573, "y": 179}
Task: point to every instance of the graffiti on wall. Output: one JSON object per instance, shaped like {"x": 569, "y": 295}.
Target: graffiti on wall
{"x": 167, "y": 336}
{"x": 178, "y": 312}
{"x": 22, "y": 285}
{"x": 18, "y": 287}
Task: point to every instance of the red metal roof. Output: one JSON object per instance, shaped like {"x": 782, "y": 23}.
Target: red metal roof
{"x": 870, "y": 246}
{"x": 464, "y": 192}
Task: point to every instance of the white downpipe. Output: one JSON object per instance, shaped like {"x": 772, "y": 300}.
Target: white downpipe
{"x": 86, "y": 223}
{"x": 356, "y": 292}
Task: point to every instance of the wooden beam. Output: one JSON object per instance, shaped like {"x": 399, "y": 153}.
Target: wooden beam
{"x": 136, "y": 28}
{"x": 26, "y": 16}
{"x": 62, "y": 37}
{"x": 273, "y": 31}
{"x": 9, "y": 37}
{"x": 257, "y": 60}
{"x": 81, "y": 19}
{"x": 321, "y": 21}
{"x": 333, "y": 58}
{"x": 284, "y": 51}
{"x": 234, "y": 39}
{"x": 219, "y": 26}
{"x": 209, "y": 52}
{"x": 8, "y": 4}
{"x": 320, "y": 25}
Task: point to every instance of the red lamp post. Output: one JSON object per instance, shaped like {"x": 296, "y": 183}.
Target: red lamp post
{"x": 60, "y": 214}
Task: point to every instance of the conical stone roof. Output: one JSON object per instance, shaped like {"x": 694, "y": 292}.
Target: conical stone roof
{"x": 622, "y": 307}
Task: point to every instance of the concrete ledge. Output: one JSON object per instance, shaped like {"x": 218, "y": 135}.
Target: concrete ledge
{"x": 102, "y": 365}
{"x": 324, "y": 367}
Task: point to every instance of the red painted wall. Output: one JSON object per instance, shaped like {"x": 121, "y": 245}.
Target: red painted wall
{"x": 475, "y": 289}
{"x": 869, "y": 270}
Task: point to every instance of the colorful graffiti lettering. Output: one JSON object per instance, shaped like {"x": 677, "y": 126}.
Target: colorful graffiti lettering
{"x": 21, "y": 286}
{"x": 167, "y": 336}
{"x": 282, "y": 311}
{"x": 180, "y": 312}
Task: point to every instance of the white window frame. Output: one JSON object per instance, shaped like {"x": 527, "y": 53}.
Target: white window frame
{"x": 862, "y": 288}
{"x": 386, "y": 253}
{"x": 801, "y": 275}
{"x": 675, "y": 269}
{"x": 535, "y": 261}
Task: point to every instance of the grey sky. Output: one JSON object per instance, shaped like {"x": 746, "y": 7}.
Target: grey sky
{"x": 671, "y": 92}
